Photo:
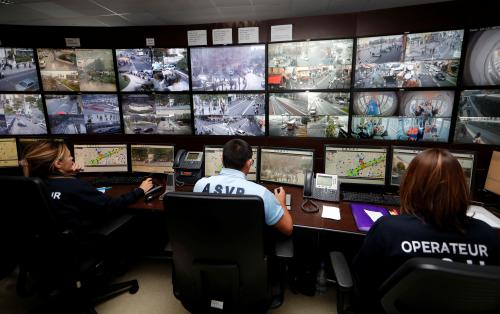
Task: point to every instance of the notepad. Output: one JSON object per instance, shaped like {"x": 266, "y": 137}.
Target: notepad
{"x": 374, "y": 216}
{"x": 331, "y": 212}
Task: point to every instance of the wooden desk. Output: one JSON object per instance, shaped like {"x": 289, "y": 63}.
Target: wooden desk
{"x": 300, "y": 218}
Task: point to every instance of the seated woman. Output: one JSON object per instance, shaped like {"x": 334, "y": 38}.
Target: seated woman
{"x": 433, "y": 223}
{"x": 78, "y": 205}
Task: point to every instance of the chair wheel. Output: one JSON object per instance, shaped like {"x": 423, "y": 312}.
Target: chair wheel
{"x": 134, "y": 289}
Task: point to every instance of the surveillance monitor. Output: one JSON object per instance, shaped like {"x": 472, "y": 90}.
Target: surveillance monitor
{"x": 101, "y": 157}
{"x": 18, "y": 70}
{"x": 213, "y": 161}
{"x": 152, "y": 158}
{"x": 493, "y": 179}
{"x": 8, "y": 153}
{"x": 22, "y": 114}
{"x": 285, "y": 165}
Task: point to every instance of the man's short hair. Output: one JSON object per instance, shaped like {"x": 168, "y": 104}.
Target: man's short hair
{"x": 236, "y": 153}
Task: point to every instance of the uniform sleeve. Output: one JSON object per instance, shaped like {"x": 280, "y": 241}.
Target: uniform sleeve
{"x": 200, "y": 185}
{"x": 272, "y": 208}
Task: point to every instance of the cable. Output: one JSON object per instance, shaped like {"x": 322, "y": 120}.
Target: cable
{"x": 307, "y": 210}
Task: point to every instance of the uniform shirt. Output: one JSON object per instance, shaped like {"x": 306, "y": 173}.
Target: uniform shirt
{"x": 394, "y": 239}
{"x": 232, "y": 181}
{"x": 79, "y": 206}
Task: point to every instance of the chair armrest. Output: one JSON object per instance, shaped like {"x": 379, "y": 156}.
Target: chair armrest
{"x": 112, "y": 225}
{"x": 284, "y": 248}
{"x": 341, "y": 271}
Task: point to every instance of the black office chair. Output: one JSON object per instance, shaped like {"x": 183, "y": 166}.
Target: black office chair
{"x": 430, "y": 285}
{"x": 53, "y": 262}
{"x": 219, "y": 252}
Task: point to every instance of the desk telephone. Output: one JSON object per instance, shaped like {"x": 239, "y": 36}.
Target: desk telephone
{"x": 188, "y": 166}
{"x": 324, "y": 188}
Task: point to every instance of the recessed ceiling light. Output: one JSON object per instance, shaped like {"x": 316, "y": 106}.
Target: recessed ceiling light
{"x": 6, "y": 1}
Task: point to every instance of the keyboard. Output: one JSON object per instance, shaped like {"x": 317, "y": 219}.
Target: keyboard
{"x": 116, "y": 180}
{"x": 371, "y": 198}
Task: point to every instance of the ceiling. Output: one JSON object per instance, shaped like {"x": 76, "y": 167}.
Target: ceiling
{"x": 177, "y": 12}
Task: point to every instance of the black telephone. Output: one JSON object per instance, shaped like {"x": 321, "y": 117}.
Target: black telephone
{"x": 324, "y": 188}
{"x": 188, "y": 166}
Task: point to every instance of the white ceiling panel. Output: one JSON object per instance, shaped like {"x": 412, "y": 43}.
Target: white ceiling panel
{"x": 52, "y": 9}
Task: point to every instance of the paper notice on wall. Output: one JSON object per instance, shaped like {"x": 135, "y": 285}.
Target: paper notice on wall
{"x": 222, "y": 36}
{"x": 72, "y": 42}
{"x": 281, "y": 32}
{"x": 197, "y": 37}
{"x": 248, "y": 35}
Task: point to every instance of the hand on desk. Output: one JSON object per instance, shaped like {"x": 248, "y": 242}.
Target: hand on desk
{"x": 146, "y": 185}
{"x": 280, "y": 195}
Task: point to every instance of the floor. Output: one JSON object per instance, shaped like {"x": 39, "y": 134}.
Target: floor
{"x": 155, "y": 295}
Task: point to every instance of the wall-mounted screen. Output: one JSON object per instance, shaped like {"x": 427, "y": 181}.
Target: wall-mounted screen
{"x": 170, "y": 69}
{"x": 483, "y": 58}
{"x": 229, "y": 114}
{"x": 8, "y": 153}
{"x": 309, "y": 114}
{"x": 83, "y": 114}
{"x": 152, "y": 158}
{"x": 319, "y": 64}
{"x": 72, "y": 70}
{"x": 156, "y": 114}
{"x": 404, "y": 116}
{"x": 22, "y": 114}
{"x": 135, "y": 69}
{"x": 287, "y": 166}
{"x": 357, "y": 164}
{"x": 213, "y": 162}
{"x": 101, "y": 158}
{"x": 478, "y": 117}
{"x": 228, "y": 68}
{"x": 18, "y": 70}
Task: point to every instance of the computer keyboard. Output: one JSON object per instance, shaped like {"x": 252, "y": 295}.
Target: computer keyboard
{"x": 372, "y": 198}
{"x": 116, "y": 180}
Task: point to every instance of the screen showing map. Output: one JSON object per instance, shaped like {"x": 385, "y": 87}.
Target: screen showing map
{"x": 8, "y": 152}
{"x": 213, "y": 162}
{"x": 286, "y": 166}
{"x": 361, "y": 165}
{"x": 152, "y": 158}
{"x": 101, "y": 158}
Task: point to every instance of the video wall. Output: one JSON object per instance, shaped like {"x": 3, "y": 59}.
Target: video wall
{"x": 400, "y": 87}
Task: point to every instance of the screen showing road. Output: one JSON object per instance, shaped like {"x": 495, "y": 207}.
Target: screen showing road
{"x": 18, "y": 70}
{"x": 22, "y": 114}
{"x": 101, "y": 158}
{"x": 483, "y": 58}
{"x": 213, "y": 162}
{"x": 152, "y": 158}
{"x": 362, "y": 165}
{"x": 286, "y": 166}
{"x": 8, "y": 153}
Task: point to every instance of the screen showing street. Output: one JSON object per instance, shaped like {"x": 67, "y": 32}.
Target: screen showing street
{"x": 18, "y": 70}
{"x": 482, "y": 62}
{"x": 229, "y": 114}
{"x": 309, "y": 114}
{"x": 228, "y": 68}
{"x": 22, "y": 114}
{"x": 157, "y": 114}
{"x": 287, "y": 166}
{"x": 478, "y": 118}
{"x": 321, "y": 64}
{"x": 83, "y": 114}
{"x": 152, "y": 158}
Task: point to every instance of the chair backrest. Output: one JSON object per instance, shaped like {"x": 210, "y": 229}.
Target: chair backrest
{"x": 430, "y": 285}
{"x": 218, "y": 252}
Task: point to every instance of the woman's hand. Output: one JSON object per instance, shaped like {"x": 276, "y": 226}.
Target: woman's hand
{"x": 146, "y": 185}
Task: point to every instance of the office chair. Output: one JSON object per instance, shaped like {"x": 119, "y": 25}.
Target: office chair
{"x": 52, "y": 261}
{"x": 430, "y": 285}
{"x": 219, "y": 252}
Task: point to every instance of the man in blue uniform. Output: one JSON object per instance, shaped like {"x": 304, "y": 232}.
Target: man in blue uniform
{"x": 237, "y": 160}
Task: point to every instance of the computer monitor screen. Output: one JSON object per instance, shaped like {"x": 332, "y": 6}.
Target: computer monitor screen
{"x": 8, "y": 153}
{"x": 102, "y": 157}
{"x": 134, "y": 69}
{"x": 213, "y": 162}
{"x": 286, "y": 166}
{"x": 170, "y": 69}
{"x": 482, "y": 57}
{"x": 83, "y": 114}
{"x": 152, "y": 158}
{"x": 18, "y": 70}
{"x": 157, "y": 114}
{"x": 25, "y": 142}
{"x": 309, "y": 114}
{"x": 478, "y": 117}
{"x": 229, "y": 114}
{"x": 493, "y": 179}
{"x": 22, "y": 114}
{"x": 357, "y": 164}
{"x": 318, "y": 64}
{"x": 228, "y": 68}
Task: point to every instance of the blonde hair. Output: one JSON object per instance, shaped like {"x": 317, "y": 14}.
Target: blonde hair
{"x": 40, "y": 158}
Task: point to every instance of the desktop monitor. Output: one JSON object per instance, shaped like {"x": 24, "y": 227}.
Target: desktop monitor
{"x": 492, "y": 183}
{"x": 101, "y": 157}
{"x": 25, "y": 142}
{"x": 284, "y": 165}
{"x": 152, "y": 158}
{"x": 18, "y": 70}
{"x": 8, "y": 153}
{"x": 357, "y": 164}
{"x": 213, "y": 161}
{"x": 22, "y": 114}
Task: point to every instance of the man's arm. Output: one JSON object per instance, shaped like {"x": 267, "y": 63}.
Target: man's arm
{"x": 285, "y": 224}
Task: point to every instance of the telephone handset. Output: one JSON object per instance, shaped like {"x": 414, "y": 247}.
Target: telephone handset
{"x": 181, "y": 153}
{"x": 324, "y": 188}
{"x": 188, "y": 166}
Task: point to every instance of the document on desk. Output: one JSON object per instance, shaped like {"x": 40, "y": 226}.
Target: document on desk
{"x": 330, "y": 212}
{"x": 374, "y": 216}
{"x": 483, "y": 214}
